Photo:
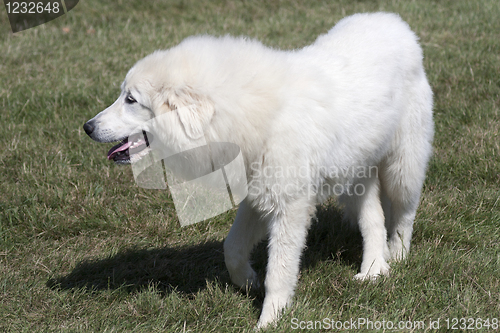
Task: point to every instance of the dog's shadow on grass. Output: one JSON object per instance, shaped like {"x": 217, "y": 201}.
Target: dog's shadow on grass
{"x": 187, "y": 269}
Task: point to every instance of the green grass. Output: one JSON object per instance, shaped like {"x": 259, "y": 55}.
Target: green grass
{"x": 83, "y": 249}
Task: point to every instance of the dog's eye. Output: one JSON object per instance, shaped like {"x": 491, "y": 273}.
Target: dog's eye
{"x": 130, "y": 100}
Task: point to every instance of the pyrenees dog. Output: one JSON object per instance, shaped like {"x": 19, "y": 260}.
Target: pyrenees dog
{"x": 349, "y": 116}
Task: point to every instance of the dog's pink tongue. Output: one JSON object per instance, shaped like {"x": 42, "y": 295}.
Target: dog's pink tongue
{"x": 118, "y": 148}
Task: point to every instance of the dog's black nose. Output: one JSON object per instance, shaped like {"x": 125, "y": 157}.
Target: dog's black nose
{"x": 89, "y": 127}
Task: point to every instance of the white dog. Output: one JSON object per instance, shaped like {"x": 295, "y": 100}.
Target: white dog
{"x": 349, "y": 115}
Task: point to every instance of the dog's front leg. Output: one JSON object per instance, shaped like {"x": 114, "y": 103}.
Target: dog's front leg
{"x": 287, "y": 236}
{"x": 248, "y": 229}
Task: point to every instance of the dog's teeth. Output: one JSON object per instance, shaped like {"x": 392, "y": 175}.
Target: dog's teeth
{"x": 137, "y": 143}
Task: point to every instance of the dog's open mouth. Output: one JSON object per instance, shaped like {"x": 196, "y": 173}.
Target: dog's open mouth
{"x": 134, "y": 144}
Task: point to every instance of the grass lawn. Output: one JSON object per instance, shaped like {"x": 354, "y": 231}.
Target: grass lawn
{"x": 83, "y": 249}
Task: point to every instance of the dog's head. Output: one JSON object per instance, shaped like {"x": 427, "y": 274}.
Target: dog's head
{"x": 159, "y": 100}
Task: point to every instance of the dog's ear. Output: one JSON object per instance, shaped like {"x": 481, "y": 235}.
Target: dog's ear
{"x": 195, "y": 111}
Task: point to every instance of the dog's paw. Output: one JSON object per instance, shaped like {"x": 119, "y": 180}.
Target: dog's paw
{"x": 377, "y": 268}
{"x": 398, "y": 251}
{"x": 268, "y": 317}
{"x": 264, "y": 326}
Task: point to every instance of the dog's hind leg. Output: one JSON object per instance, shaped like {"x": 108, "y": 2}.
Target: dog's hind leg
{"x": 287, "y": 237}
{"x": 247, "y": 230}
{"x": 402, "y": 187}
{"x": 403, "y": 170}
{"x": 372, "y": 226}
{"x": 402, "y": 180}
{"x": 351, "y": 207}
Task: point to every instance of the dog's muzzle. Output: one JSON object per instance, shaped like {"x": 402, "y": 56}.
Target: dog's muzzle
{"x": 128, "y": 146}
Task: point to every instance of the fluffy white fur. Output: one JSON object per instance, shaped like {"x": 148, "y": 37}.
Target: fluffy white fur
{"x": 357, "y": 97}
